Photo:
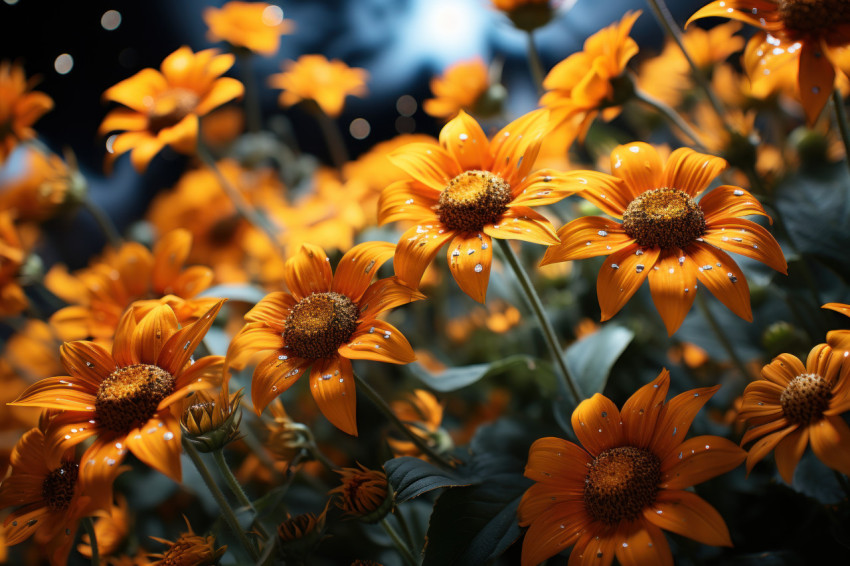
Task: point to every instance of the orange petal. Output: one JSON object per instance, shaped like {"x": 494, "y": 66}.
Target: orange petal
{"x": 766, "y": 428}
{"x": 56, "y": 393}
{"x": 123, "y": 119}
{"x": 552, "y": 531}
{"x": 728, "y": 201}
{"x": 170, "y": 253}
{"x": 641, "y": 411}
{"x": 789, "y": 451}
{"x": 254, "y": 337}
{"x": 415, "y": 250}
{"x": 751, "y": 12}
{"x": 19, "y": 528}
{"x": 183, "y": 136}
{"x": 838, "y": 307}
{"x": 673, "y": 283}
{"x": 824, "y": 361}
{"x": 72, "y": 322}
{"x": 180, "y": 347}
{"x": 407, "y": 200}
{"x": 676, "y": 419}
{"x": 274, "y": 375}
{"x": 102, "y": 461}
{"x": 642, "y": 545}
{"x": 749, "y": 239}
{"x": 429, "y": 164}
{"x": 359, "y": 266}
{"x": 379, "y": 341}
{"x": 621, "y": 275}
{"x": 203, "y": 374}
{"x": 332, "y": 386}
{"x": 69, "y": 429}
{"x": 137, "y": 91}
{"x": 594, "y": 548}
{"x": 386, "y": 294}
{"x": 470, "y": 258}
{"x": 191, "y": 281}
{"x": 639, "y": 165}
{"x": 557, "y": 461}
{"x": 722, "y": 276}
{"x": 522, "y": 223}
{"x": 767, "y": 443}
{"x": 687, "y": 514}
{"x": 782, "y": 369}
{"x": 540, "y": 497}
{"x": 596, "y": 422}
{"x": 515, "y": 147}
{"x": 691, "y": 172}
{"x": 152, "y": 333}
{"x": 157, "y": 444}
{"x": 816, "y": 79}
{"x": 463, "y": 138}
{"x": 699, "y": 459}
{"x": 830, "y": 438}
{"x": 144, "y": 152}
{"x": 548, "y": 186}
{"x": 607, "y": 192}
{"x": 223, "y": 90}
{"x": 90, "y": 362}
{"x": 272, "y": 310}
{"x": 585, "y": 237}
{"x": 308, "y": 271}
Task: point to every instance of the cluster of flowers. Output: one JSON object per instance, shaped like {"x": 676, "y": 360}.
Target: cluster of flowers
{"x": 130, "y": 375}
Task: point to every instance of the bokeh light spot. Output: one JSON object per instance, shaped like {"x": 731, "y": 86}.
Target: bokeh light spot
{"x": 406, "y": 105}
{"x": 405, "y": 125}
{"x": 360, "y": 128}
{"x": 63, "y": 64}
{"x": 272, "y": 16}
{"x": 110, "y": 20}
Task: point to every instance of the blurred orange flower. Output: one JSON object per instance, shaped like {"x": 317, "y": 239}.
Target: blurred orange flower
{"x": 327, "y": 83}
{"x": 41, "y": 188}
{"x": 460, "y": 87}
{"x": 422, "y": 414}
{"x": 12, "y": 297}
{"x": 613, "y": 495}
{"x": 20, "y": 107}
{"x": 163, "y": 108}
{"x": 666, "y": 235}
{"x": 256, "y": 26}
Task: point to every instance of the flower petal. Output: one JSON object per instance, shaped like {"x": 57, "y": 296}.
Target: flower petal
{"x": 102, "y": 461}
{"x": 722, "y": 276}
{"x": 764, "y": 445}
{"x": 789, "y": 451}
{"x": 515, "y": 147}
{"x": 609, "y": 193}
{"x": 332, "y": 386}
{"x": 88, "y": 361}
{"x": 749, "y": 239}
{"x": 782, "y": 369}
{"x": 816, "y": 78}
{"x": 676, "y": 419}
{"x": 180, "y": 347}
{"x": 123, "y": 119}
{"x": 274, "y": 375}
{"x": 641, "y": 411}
{"x": 143, "y": 152}
{"x": 596, "y": 422}
{"x": 552, "y": 531}
{"x": 557, "y": 461}
{"x": 594, "y": 548}
{"x": 548, "y": 186}
{"x": 673, "y": 284}
{"x": 728, "y": 201}
{"x": 687, "y": 514}
{"x": 205, "y": 373}
{"x": 272, "y": 310}
{"x": 639, "y": 165}
{"x": 406, "y": 200}
{"x": 522, "y": 223}
{"x": 308, "y": 271}
{"x": 429, "y": 164}
{"x": 585, "y": 237}
{"x": 137, "y": 91}
{"x": 152, "y": 333}
{"x": 700, "y": 459}
{"x": 415, "y": 250}
{"x": 830, "y": 438}
{"x": 157, "y": 444}
{"x": 463, "y": 138}
{"x": 386, "y": 294}
{"x": 378, "y": 341}
{"x": 254, "y": 337}
{"x": 359, "y": 266}
{"x": 621, "y": 275}
{"x": 170, "y": 253}
{"x": 223, "y": 90}
{"x": 182, "y": 136}
{"x": 58, "y": 392}
{"x": 691, "y": 172}
{"x": 642, "y": 545}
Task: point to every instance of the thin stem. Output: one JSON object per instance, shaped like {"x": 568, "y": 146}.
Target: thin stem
{"x": 391, "y": 416}
{"x": 88, "y": 525}
{"x": 220, "y": 499}
{"x": 237, "y": 490}
{"x": 534, "y": 63}
{"x": 402, "y": 522}
{"x": 333, "y": 137}
{"x": 843, "y": 127}
{"x": 252, "y": 100}
{"x": 721, "y": 337}
{"x": 405, "y": 552}
{"x": 566, "y": 383}
{"x": 671, "y": 115}
{"x": 103, "y": 221}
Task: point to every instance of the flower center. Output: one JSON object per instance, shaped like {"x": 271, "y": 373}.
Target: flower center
{"x": 620, "y": 483}
{"x": 319, "y": 324}
{"x": 130, "y": 395}
{"x": 57, "y": 489}
{"x": 805, "y": 398}
{"x": 664, "y": 218}
{"x": 818, "y": 18}
{"x": 170, "y": 107}
{"x": 473, "y": 199}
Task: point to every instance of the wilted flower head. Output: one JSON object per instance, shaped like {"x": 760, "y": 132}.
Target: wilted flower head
{"x": 364, "y": 494}
{"x": 299, "y": 535}
{"x": 189, "y": 549}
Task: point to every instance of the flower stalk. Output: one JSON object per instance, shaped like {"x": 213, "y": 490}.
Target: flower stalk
{"x": 88, "y": 525}
{"x": 236, "y": 489}
{"x": 405, "y": 552}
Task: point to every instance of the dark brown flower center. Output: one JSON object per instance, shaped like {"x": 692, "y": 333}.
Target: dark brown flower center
{"x": 473, "y": 199}
{"x": 319, "y": 324}
{"x": 805, "y": 398}
{"x": 621, "y": 482}
{"x": 57, "y": 489}
{"x": 170, "y": 107}
{"x": 130, "y": 395}
{"x": 664, "y": 218}
{"x": 818, "y": 18}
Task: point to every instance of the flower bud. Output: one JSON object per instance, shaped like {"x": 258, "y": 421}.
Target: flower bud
{"x": 211, "y": 423}
{"x": 364, "y": 494}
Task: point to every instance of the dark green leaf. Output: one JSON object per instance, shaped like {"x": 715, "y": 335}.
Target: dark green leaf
{"x": 452, "y": 379}
{"x": 411, "y": 477}
{"x": 590, "y": 359}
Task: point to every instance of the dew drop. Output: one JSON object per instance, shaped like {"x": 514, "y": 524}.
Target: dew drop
{"x": 168, "y": 435}
{"x": 478, "y": 268}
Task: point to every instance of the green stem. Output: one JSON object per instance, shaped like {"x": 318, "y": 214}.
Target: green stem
{"x": 843, "y": 127}
{"x": 220, "y": 499}
{"x": 333, "y": 137}
{"x": 237, "y": 490}
{"x": 391, "y": 416}
{"x": 721, "y": 337}
{"x": 534, "y": 63}
{"x": 103, "y": 221}
{"x": 405, "y": 552}
{"x": 252, "y": 100}
{"x": 402, "y": 522}
{"x": 566, "y": 383}
{"x": 88, "y": 525}
{"x": 671, "y": 115}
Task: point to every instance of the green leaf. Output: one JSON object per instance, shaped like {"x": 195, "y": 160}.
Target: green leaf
{"x": 452, "y": 379}
{"x": 411, "y": 477}
{"x": 242, "y": 293}
{"x": 590, "y": 360}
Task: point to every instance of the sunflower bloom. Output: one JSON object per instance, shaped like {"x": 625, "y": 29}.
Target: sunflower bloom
{"x": 807, "y": 34}
{"x": 255, "y": 26}
{"x": 52, "y": 493}
{"x": 666, "y": 235}
{"x": 580, "y": 86}
{"x": 100, "y": 294}
{"x": 613, "y": 495}
{"x": 20, "y": 107}
{"x": 163, "y": 107}
{"x": 324, "y": 322}
{"x": 124, "y": 398}
{"x": 327, "y": 83}
{"x": 469, "y": 191}
{"x": 793, "y": 405}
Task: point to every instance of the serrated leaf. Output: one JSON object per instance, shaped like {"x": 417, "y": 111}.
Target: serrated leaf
{"x": 452, "y": 379}
{"x": 590, "y": 360}
{"x": 411, "y": 477}
{"x": 242, "y": 293}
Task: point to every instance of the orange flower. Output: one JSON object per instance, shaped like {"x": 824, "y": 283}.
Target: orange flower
{"x": 805, "y": 33}
{"x": 666, "y": 234}
{"x": 469, "y": 191}
{"x": 363, "y": 493}
{"x": 422, "y": 414}
{"x": 580, "y": 86}
{"x": 325, "y": 321}
{"x": 313, "y": 77}
{"x": 19, "y": 107}
{"x": 838, "y": 339}
{"x": 613, "y": 495}
{"x": 110, "y": 530}
{"x": 42, "y": 187}
{"x": 528, "y": 15}
{"x": 52, "y": 492}
{"x": 793, "y": 405}
{"x": 163, "y": 108}
{"x": 255, "y": 26}
{"x": 461, "y": 87}
{"x": 125, "y": 398}
{"x": 189, "y": 550}
{"x": 12, "y": 297}
{"x": 100, "y": 294}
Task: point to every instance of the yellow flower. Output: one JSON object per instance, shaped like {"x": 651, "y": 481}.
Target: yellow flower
{"x": 255, "y": 26}
{"x": 327, "y": 83}
{"x": 20, "y": 107}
